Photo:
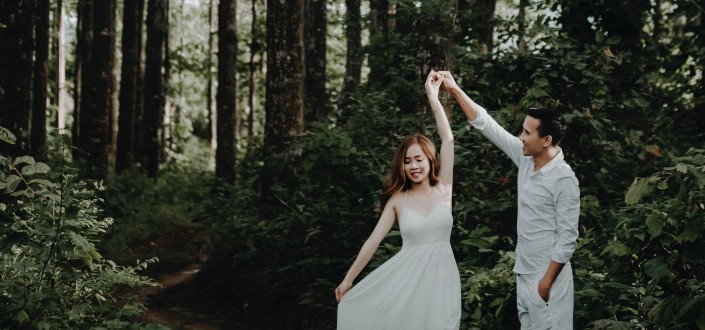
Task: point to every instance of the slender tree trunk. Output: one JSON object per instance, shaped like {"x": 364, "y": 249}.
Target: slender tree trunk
{"x": 481, "y": 23}
{"x": 226, "y": 97}
{"x": 574, "y": 21}
{"x": 210, "y": 105}
{"x": 316, "y": 107}
{"x": 285, "y": 92}
{"x": 700, "y": 101}
{"x": 168, "y": 117}
{"x": 41, "y": 73}
{"x": 255, "y": 48}
{"x": 139, "y": 96}
{"x": 435, "y": 48}
{"x": 16, "y": 73}
{"x": 153, "y": 85}
{"x": 84, "y": 52}
{"x": 379, "y": 59}
{"x": 60, "y": 55}
{"x": 353, "y": 59}
{"x": 521, "y": 22}
{"x": 112, "y": 125}
{"x": 125, "y": 153}
{"x": 97, "y": 93}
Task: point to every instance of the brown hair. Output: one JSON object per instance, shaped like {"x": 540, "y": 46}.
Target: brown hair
{"x": 396, "y": 180}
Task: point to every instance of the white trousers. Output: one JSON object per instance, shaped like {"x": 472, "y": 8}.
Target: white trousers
{"x": 537, "y": 314}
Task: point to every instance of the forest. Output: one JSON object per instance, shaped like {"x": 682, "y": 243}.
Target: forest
{"x": 242, "y": 146}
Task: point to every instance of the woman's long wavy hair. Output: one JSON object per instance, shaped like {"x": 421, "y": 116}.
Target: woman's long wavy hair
{"x": 397, "y": 180}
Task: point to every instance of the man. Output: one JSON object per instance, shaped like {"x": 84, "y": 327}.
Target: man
{"x": 548, "y": 207}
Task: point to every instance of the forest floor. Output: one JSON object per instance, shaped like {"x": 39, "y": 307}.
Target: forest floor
{"x": 173, "y": 303}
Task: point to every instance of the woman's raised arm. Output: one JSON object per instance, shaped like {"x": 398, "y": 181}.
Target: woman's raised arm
{"x": 433, "y": 84}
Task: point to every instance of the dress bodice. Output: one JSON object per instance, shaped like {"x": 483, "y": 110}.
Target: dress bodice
{"x": 417, "y": 229}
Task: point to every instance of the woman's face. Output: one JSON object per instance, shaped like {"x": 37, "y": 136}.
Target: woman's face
{"x": 416, "y": 165}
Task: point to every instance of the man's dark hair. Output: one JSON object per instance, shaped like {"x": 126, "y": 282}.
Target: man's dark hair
{"x": 551, "y": 122}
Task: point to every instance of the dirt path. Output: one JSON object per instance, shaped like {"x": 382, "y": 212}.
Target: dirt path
{"x": 169, "y": 304}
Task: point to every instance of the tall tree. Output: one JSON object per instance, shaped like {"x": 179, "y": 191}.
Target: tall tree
{"x": 41, "y": 72}
{"x": 226, "y": 96}
{"x": 353, "y": 58}
{"x": 59, "y": 54}
{"x": 379, "y": 58}
{"x": 476, "y": 23}
{"x": 255, "y": 49}
{"x": 435, "y": 45}
{"x": 96, "y": 102}
{"x": 285, "y": 90}
{"x": 84, "y": 40}
{"x": 16, "y": 72}
{"x": 209, "y": 86}
{"x": 153, "y": 85}
{"x": 700, "y": 99}
{"x": 125, "y": 153}
{"x": 316, "y": 105}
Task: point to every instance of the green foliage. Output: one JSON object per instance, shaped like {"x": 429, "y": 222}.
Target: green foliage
{"x": 665, "y": 218}
{"x": 52, "y": 276}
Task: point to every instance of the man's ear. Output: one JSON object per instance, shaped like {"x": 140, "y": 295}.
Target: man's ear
{"x": 547, "y": 141}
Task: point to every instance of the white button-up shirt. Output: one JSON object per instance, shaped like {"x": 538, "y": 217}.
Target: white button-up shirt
{"x": 548, "y": 202}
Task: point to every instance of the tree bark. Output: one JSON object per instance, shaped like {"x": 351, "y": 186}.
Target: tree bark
{"x": 255, "y": 48}
{"x": 476, "y": 23}
{"x": 16, "y": 73}
{"x": 96, "y": 116}
{"x": 226, "y": 96}
{"x": 210, "y": 132}
{"x": 353, "y": 58}
{"x": 316, "y": 107}
{"x": 60, "y": 95}
{"x": 285, "y": 93}
{"x": 379, "y": 59}
{"x": 38, "y": 141}
{"x": 435, "y": 48}
{"x": 125, "y": 153}
{"x": 153, "y": 85}
{"x": 84, "y": 51}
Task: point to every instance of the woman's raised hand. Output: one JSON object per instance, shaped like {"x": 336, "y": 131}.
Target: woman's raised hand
{"x": 448, "y": 81}
{"x": 433, "y": 84}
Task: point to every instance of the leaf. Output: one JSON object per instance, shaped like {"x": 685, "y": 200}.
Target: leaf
{"x": 683, "y": 168}
{"x": 641, "y": 102}
{"x": 639, "y": 188}
{"x": 691, "y": 232}
{"x": 11, "y": 183}
{"x": 656, "y": 268}
{"x": 6, "y": 135}
{"x": 616, "y": 248}
{"x": 655, "y": 223}
{"x": 35, "y": 168}
{"x": 24, "y": 159}
{"x": 536, "y": 92}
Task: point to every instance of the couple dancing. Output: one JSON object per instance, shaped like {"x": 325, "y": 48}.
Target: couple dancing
{"x": 419, "y": 288}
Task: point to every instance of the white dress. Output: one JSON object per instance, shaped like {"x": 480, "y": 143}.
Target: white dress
{"x": 418, "y": 288}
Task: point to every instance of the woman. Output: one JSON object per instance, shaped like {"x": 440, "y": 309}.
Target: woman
{"x": 418, "y": 288}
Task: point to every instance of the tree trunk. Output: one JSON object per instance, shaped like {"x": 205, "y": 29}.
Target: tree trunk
{"x": 255, "y": 48}
{"x": 316, "y": 107}
{"x": 353, "y": 59}
{"x": 168, "y": 114}
{"x": 60, "y": 94}
{"x": 210, "y": 104}
{"x": 125, "y": 153}
{"x": 521, "y": 22}
{"x": 139, "y": 96}
{"x": 284, "y": 98}
{"x": 84, "y": 51}
{"x": 435, "y": 48}
{"x": 38, "y": 141}
{"x": 226, "y": 96}
{"x": 96, "y": 117}
{"x": 476, "y": 23}
{"x": 16, "y": 73}
{"x": 153, "y": 85}
{"x": 574, "y": 21}
{"x": 112, "y": 125}
{"x": 700, "y": 100}
{"x": 379, "y": 59}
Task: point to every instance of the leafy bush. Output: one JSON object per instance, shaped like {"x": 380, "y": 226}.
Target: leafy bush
{"x": 51, "y": 274}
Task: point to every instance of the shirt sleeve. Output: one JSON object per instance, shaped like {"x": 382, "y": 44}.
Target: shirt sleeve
{"x": 510, "y": 144}
{"x": 567, "y": 214}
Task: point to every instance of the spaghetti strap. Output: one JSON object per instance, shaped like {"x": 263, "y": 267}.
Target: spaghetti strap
{"x": 405, "y": 193}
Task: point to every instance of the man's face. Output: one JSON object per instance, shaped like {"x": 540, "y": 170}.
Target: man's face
{"x": 532, "y": 143}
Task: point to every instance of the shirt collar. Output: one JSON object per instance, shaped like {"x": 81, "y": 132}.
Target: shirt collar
{"x": 557, "y": 159}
